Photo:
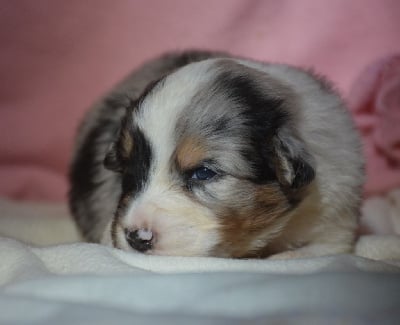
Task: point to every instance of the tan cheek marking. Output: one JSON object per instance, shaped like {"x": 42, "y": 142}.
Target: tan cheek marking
{"x": 126, "y": 143}
{"x": 239, "y": 227}
{"x": 190, "y": 152}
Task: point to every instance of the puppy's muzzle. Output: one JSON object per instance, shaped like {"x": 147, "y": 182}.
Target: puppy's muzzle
{"x": 141, "y": 240}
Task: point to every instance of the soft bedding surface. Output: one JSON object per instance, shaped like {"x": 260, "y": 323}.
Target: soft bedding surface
{"x": 48, "y": 277}
{"x": 207, "y": 298}
{"x": 93, "y": 284}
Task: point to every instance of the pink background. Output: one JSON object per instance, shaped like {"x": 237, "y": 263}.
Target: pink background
{"x": 57, "y": 57}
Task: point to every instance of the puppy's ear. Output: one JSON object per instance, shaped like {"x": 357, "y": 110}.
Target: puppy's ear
{"x": 120, "y": 149}
{"x": 295, "y": 167}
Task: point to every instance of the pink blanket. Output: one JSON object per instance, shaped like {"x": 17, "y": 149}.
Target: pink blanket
{"x": 57, "y": 57}
{"x": 375, "y": 101}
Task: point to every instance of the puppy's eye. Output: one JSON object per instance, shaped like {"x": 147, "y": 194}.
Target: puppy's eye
{"x": 203, "y": 174}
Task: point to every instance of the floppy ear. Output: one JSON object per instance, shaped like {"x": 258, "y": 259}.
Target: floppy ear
{"x": 120, "y": 149}
{"x": 295, "y": 167}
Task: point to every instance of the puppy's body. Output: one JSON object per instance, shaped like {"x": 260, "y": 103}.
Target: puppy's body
{"x": 218, "y": 156}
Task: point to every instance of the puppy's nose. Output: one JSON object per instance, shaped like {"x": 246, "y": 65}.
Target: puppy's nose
{"x": 140, "y": 239}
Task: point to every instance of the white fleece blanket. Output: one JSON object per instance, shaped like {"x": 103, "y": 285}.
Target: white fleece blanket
{"x": 87, "y": 283}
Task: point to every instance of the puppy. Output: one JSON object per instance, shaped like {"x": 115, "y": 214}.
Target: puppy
{"x": 204, "y": 154}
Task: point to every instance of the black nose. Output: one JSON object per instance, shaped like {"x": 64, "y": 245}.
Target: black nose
{"x": 141, "y": 239}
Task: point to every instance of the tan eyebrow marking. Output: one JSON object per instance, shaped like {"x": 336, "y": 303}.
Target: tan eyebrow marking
{"x": 127, "y": 143}
{"x": 190, "y": 152}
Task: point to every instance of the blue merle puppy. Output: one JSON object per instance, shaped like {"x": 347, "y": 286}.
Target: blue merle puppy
{"x": 205, "y": 154}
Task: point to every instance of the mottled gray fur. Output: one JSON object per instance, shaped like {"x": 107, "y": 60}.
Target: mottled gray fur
{"x": 319, "y": 131}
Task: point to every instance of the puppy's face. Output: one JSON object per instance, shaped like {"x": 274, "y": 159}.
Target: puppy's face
{"x": 210, "y": 164}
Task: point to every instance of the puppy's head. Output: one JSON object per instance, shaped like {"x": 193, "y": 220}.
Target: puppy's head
{"x": 210, "y": 163}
